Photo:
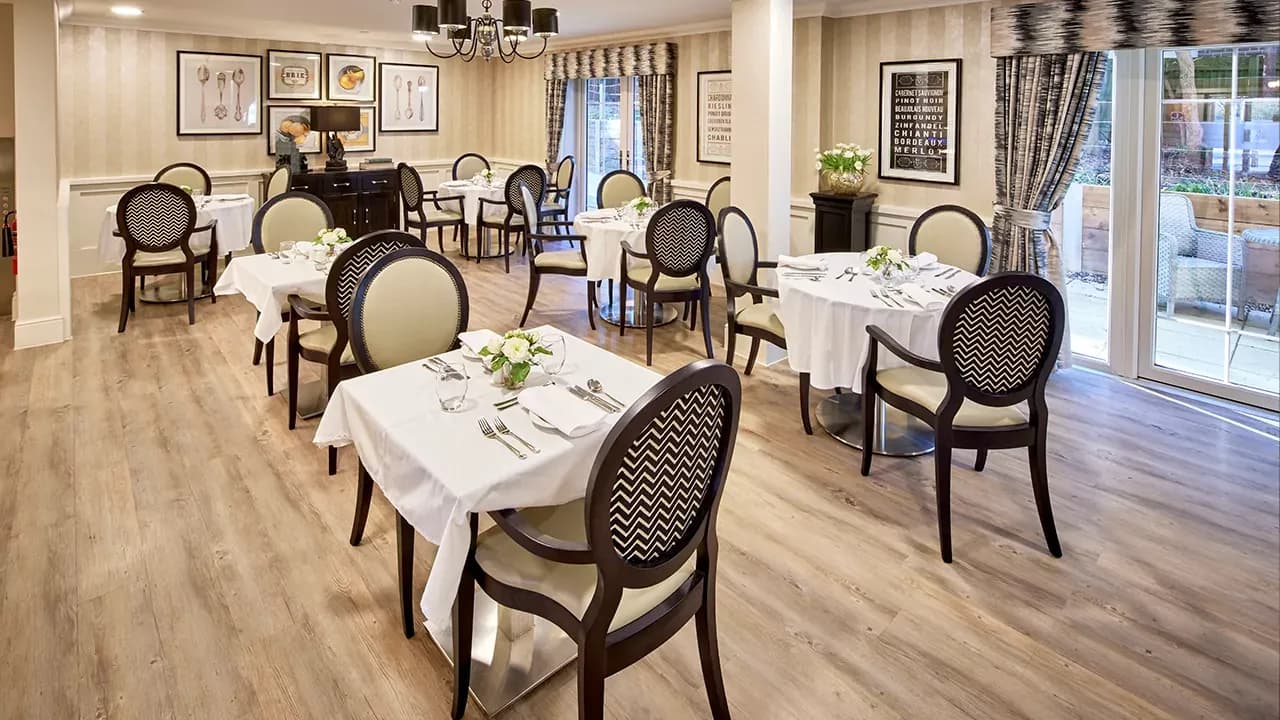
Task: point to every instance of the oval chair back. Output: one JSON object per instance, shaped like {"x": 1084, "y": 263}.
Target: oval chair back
{"x": 956, "y": 235}
{"x": 188, "y": 174}
{"x": 999, "y": 340}
{"x": 738, "y": 250}
{"x": 718, "y": 195}
{"x": 411, "y": 304}
{"x": 530, "y": 176}
{"x": 657, "y": 481}
{"x": 564, "y": 174}
{"x": 156, "y": 218}
{"x": 619, "y": 188}
{"x": 680, "y": 237}
{"x": 350, "y": 266}
{"x": 280, "y": 182}
{"x": 411, "y": 189}
{"x": 530, "y": 207}
{"x": 469, "y": 165}
{"x": 291, "y": 217}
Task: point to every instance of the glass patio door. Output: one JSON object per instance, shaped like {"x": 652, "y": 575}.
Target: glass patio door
{"x": 612, "y": 137}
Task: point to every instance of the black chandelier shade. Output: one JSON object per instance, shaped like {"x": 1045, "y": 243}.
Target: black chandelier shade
{"x": 453, "y": 14}
{"x": 546, "y": 22}
{"x": 506, "y": 37}
{"x": 426, "y": 20}
{"x": 517, "y": 15}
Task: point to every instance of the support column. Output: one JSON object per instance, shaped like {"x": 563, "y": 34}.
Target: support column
{"x": 43, "y": 311}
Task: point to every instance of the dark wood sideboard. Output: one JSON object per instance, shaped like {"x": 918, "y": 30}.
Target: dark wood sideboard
{"x": 842, "y": 223}
{"x": 362, "y": 201}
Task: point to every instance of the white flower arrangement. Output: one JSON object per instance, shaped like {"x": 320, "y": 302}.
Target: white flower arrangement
{"x": 513, "y": 356}
{"x": 484, "y": 177}
{"x": 642, "y": 205}
{"x": 887, "y": 261}
{"x": 848, "y": 158}
{"x": 332, "y": 237}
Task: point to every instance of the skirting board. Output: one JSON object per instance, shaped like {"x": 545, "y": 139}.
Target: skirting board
{"x": 35, "y": 333}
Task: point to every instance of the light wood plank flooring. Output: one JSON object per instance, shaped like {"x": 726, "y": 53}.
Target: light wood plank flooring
{"x": 168, "y": 549}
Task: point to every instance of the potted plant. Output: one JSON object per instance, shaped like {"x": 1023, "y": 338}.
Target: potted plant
{"x": 843, "y": 169}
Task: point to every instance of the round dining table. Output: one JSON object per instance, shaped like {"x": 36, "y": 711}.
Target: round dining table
{"x": 826, "y": 315}
{"x": 472, "y": 193}
{"x": 605, "y": 233}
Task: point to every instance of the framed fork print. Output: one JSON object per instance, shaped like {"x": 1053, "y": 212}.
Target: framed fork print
{"x": 219, "y": 94}
{"x": 409, "y": 98}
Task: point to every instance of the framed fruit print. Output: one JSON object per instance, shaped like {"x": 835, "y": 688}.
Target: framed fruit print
{"x": 219, "y": 94}
{"x": 364, "y": 139}
{"x": 293, "y": 75}
{"x": 410, "y": 98}
{"x": 294, "y": 122}
{"x": 350, "y": 77}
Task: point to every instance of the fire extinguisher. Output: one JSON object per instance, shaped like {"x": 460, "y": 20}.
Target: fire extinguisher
{"x": 10, "y": 238}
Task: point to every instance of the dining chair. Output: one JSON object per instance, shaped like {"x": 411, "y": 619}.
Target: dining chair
{"x": 383, "y": 335}
{"x": 157, "y": 222}
{"x": 718, "y": 196}
{"x": 570, "y": 263}
{"x": 468, "y": 165}
{"x": 443, "y": 212}
{"x": 956, "y": 235}
{"x": 623, "y": 570}
{"x": 290, "y": 217}
{"x": 280, "y": 182}
{"x": 531, "y": 176}
{"x": 679, "y": 243}
{"x": 619, "y": 188}
{"x": 997, "y": 345}
{"x": 328, "y": 344}
{"x": 560, "y": 191}
{"x": 188, "y": 175}
{"x": 738, "y": 252}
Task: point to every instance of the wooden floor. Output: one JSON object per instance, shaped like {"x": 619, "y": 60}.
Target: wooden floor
{"x": 168, "y": 548}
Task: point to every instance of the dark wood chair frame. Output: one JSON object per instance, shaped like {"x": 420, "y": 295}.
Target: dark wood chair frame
{"x": 605, "y": 181}
{"x": 602, "y": 653}
{"x": 208, "y": 181}
{"x": 711, "y": 191}
{"x": 512, "y": 201}
{"x": 561, "y": 195}
{"x": 648, "y": 288}
{"x": 984, "y": 233}
{"x": 464, "y": 156}
{"x": 734, "y": 290}
{"x": 948, "y": 436}
{"x": 536, "y": 238}
{"x": 256, "y": 239}
{"x": 131, "y": 275}
{"x": 334, "y": 312}
{"x": 408, "y": 207}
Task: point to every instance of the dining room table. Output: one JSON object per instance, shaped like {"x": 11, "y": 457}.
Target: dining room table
{"x": 606, "y": 230}
{"x": 438, "y": 469}
{"x": 826, "y": 301}
{"x": 472, "y": 192}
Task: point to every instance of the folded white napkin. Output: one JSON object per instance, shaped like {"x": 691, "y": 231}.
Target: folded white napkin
{"x": 596, "y": 215}
{"x": 924, "y": 260}
{"x": 786, "y": 261}
{"x": 921, "y": 294}
{"x": 566, "y": 413}
{"x": 475, "y": 340}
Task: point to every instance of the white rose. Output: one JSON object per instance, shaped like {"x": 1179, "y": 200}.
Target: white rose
{"x": 342, "y": 234}
{"x": 516, "y": 350}
{"x": 494, "y": 346}
{"x": 329, "y": 238}
{"x": 895, "y": 255}
{"x": 858, "y": 166}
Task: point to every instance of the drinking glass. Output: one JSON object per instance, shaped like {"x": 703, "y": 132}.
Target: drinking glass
{"x": 286, "y": 251}
{"x": 451, "y": 388}
{"x": 554, "y": 363}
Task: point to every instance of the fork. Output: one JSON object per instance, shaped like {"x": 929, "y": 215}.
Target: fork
{"x": 504, "y": 430}
{"x": 488, "y": 432}
{"x": 876, "y": 294}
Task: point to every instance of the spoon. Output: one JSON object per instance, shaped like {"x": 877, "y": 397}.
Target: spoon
{"x": 597, "y": 387}
{"x": 238, "y": 78}
{"x": 202, "y": 74}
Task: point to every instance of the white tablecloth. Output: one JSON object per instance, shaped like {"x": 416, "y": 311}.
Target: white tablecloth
{"x": 472, "y": 193}
{"x": 604, "y": 242}
{"x": 267, "y": 284}
{"x": 436, "y": 468}
{"x": 827, "y": 321}
{"x": 234, "y": 214}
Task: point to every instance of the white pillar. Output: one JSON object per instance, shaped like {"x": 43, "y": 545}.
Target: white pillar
{"x": 43, "y": 312}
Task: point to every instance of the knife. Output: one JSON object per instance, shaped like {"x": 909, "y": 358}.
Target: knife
{"x": 584, "y": 395}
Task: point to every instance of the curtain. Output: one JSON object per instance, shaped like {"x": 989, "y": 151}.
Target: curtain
{"x": 659, "y": 131}
{"x": 623, "y": 61}
{"x": 555, "y": 121}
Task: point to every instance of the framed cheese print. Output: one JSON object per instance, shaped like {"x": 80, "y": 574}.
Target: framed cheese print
{"x": 219, "y": 94}
{"x": 293, "y": 122}
{"x": 715, "y": 117}
{"x": 293, "y": 75}
{"x": 364, "y": 139}
{"x": 409, "y": 98}
{"x": 350, "y": 77}
{"x": 920, "y": 121}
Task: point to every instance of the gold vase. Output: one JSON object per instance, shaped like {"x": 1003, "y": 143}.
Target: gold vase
{"x": 841, "y": 183}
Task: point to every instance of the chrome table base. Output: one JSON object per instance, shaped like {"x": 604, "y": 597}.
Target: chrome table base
{"x": 169, "y": 292}
{"x": 897, "y": 434}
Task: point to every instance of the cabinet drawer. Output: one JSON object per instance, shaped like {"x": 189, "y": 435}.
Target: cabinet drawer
{"x": 378, "y": 182}
{"x": 340, "y": 184}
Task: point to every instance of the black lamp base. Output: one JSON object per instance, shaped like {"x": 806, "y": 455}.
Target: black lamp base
{"x": 331, "y": 165}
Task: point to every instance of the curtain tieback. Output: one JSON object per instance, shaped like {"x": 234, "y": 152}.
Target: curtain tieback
{"x": 1024, "y": 218}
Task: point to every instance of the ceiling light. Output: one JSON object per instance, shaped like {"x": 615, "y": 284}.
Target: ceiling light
{"x": 126, "y": 10}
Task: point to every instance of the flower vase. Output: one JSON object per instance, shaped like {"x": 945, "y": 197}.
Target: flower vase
{"x": 502, "y": 376}
{"x": 841, "y": 183}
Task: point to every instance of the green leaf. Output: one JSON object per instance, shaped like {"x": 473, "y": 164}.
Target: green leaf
{"x": 519, "y": 372}
{"x": 497, "y": 362}
{"x": 541, "y": 351}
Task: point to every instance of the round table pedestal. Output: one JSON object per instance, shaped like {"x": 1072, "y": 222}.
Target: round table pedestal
{"x": 897, "y": 434}
{"x": 168, "y": 292}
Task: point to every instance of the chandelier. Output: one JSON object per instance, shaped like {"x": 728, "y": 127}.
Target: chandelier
{"x": 486, "y": 35}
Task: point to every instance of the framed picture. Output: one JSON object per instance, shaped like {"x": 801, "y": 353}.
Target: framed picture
{"x": 410, "y": 98}
{"x": 293, "y": 75}
{"x": 295, "y": 122}
{"x": 219, "y": 94}
{"x": 715, "y": 117}
{"x": 350, "y": 77}
{"x": 920, "y": 121}
{"x": 364, "y": 139}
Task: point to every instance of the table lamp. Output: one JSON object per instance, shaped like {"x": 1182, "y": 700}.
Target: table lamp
{"x": 333, "y": 119}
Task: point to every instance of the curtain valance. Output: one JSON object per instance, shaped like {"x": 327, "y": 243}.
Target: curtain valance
{"x": 1062, "y": 27}
{"x": 622, "y": 61}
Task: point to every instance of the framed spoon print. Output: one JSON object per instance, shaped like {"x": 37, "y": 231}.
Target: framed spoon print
{"x": 219, "y": 94}
{"x": 409, "y": 98}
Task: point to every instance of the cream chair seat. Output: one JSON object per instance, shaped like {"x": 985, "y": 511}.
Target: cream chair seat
{"x": 322, "y": 340}
{"x": 928, "y": 388}
{"x": 199, "y": 246}
{"x": 763, "y": 316}
{"x": 640, "y": 272}
{"x": 434, "y": 216}
{"x": 570, "y": 585}
{"x": 563, "y": 259}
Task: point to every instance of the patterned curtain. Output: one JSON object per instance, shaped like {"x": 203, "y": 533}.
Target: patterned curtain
{"x": 628, "y": 61}
{"x": 555, "y": 121}
{"x": 659, "y": 131}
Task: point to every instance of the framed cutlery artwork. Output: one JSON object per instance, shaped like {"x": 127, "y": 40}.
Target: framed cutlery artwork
{"x": 364, "y": 139}
{"x": 293, "y": 75}
{"x": 219, "y": 94}
{"x": 294, "y": 122}
{"x": 350, "y": 77}
{"x": 409, "y": 98}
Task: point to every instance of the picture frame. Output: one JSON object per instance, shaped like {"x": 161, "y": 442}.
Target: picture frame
{"x": 286, "y": 118}
{"x": 715, "y": 117}
{"x": 350, "y": 78}
{"x": 366, "y": 138}
{"x": 400, "y": 108}
{"x": 920, "y": 104}
{"x": 218, "y": 94}
{"x": 294, "y": 75}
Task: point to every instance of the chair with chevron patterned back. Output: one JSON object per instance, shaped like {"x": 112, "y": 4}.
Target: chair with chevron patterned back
{"x": 623, "y": 570}
{"x": 329, "y": 344}
{"x": 998, "y": 342}
{"x": 530, "y": 176}
{"x": 426, "y": 209}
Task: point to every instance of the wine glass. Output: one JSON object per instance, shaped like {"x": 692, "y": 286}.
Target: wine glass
{"x": 553, "y": 364}
{"x": 285, "y": 253}
{"x": 451, "y": 388}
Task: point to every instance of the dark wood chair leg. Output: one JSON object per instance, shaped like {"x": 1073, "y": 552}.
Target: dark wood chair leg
{"x": 292, "y": 358}
{"x": 648, "y": 330}
{"x": 404, "y": 555}
{"x": 591, "y": 674}
{"x": 706, "y": 324}
{"x": 191, "y": 294}
{"x": 981, "y": 462}
{"x": 732, "y": 347}
{"x": 942, "y": 481}
{"x": 591, "y": 304}
{"x": 333, "y": 461}
{"x": 868, "y": 427}
{"x": 505, "y": 236}
{"x": 709, "y": 651}
{"x": 463, "y": 629}
{"x": 535, "y": 278}
{"x": 126, "y": 294}
{"x": 364, "y": 496}
{"x": 804, "y": 402}
{"x": 1040, "y": 484}
{"x": 271, "y": 368}
{"x": 622, "y": 308}
{"x": 751, "y": 357}
{"x": 439, "y": 238}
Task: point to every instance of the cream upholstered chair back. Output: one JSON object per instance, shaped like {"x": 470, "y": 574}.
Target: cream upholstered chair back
{"x": 410, "y": 304}
{"x": 718, "y": 196}
{"x": 279, "y": 182}
{"x": 738, "y": 249}
{"x": 530, "y": 207}
{"x": 564, "y": 172}
{"x": 956, "y": 235}
{"x": 291, "y": 217}
{"x": 468, "y": 166}
{"x": 186, "y": 174}
{"x": 619, "y": 188}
